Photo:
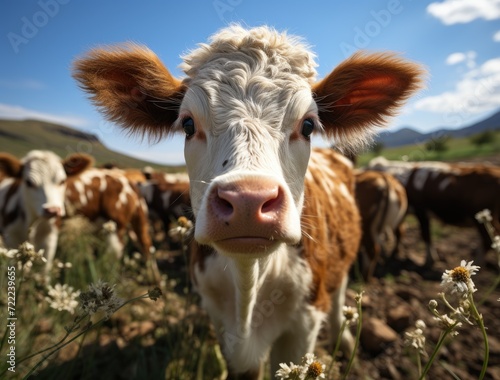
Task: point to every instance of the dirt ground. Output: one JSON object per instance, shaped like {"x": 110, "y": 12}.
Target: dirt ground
{"x": 399, "y": 295}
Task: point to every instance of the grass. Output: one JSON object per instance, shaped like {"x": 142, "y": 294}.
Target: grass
{"x": 458, "y": 149}
{"x": 169, "y": 338}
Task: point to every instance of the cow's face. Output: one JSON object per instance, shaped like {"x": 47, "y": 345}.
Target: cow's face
{"x": 43, "y": 185}
{"x": 247, "y": 107}
{"x": 247, "y": 148}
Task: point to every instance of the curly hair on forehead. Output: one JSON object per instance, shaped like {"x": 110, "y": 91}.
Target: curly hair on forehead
{"x": 264, "y": 45}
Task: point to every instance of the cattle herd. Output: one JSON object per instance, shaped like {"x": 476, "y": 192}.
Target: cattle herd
{"x": 276, "y": 222}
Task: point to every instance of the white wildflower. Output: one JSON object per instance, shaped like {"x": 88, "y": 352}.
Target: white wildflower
{"x": 292, "y": 372}
{"x": 312, "y": 368}
{"x": 446, "y": 322}
{"x": 484, "y": 216}
{"x": 182, "y": 228}
{"x": 62, "y": 297}
{"x": 351, "y": 314}
{"x": 458, "y": 280}
{"x": 109, "y": 227}
{"x": 8, "y": 253}
{"x": 416, "y": 338}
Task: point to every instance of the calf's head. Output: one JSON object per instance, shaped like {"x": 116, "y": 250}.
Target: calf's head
{"x": 42, "y": 180}
{"x": 248, "y": 107}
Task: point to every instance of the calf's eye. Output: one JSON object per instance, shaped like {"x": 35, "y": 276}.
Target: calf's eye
{"x": 188, "y": 126}
{"x": 29, "y": 183}
{"x": 307, "y": 128}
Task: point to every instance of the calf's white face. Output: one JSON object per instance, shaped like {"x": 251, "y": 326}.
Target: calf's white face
{"x": 247, "y": 167}
{"x": 43, "y": 185}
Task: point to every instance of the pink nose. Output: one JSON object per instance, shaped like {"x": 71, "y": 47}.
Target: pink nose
{"x": 249, "y": 202}
{"x": 51, "y": 211}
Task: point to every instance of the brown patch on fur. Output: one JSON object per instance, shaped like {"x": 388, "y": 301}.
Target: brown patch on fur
{"x": 103, "y": 204}
{"x": 10, "y": 166}
{"x": 331, "y": 229}
{"x": 373, "y": 197}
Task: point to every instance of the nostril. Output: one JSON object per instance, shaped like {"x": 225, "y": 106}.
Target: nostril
{"x": 223, "y": 203}
{"x": 273, "y": 203}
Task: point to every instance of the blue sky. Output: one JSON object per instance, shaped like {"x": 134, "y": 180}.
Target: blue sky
{"x": 457, "y": 40}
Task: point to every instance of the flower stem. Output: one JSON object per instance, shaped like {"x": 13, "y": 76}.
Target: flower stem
{"x": 479, "y": 319}
{"x": 336, "y": 349}
{"x": 419, "y": 363}
{"x": 356, "y": 342}
{"x": 435, "y": 352}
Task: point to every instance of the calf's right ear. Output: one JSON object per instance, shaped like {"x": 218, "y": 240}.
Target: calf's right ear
{"x": 132, "y": 87}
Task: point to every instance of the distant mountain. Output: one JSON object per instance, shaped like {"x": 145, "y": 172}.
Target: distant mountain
{"x": 408, "y": 136}
{"x": 18, "y": 137}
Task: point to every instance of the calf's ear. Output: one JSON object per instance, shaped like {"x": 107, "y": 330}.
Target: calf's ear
{"x": 362, "y": 92}
{"x": 10, "y": 166}
{"x": 76, "y": 163}
{"x": 131, "y": 86}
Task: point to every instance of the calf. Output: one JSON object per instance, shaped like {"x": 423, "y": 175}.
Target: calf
{"x": 266, "y": 268}
{"x": 382, "y": 204}
{"x": 107, "y": 195}
{"x": 453, "y": 192}
{"x": 167, "y": 196}
{"x": 32, "y": 198}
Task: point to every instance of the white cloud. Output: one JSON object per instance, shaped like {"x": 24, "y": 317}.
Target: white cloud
{"x": 455, "y": 58}
{"x": 8, "y": 111}
{"x": 478, "y": 91}
{"x": 464, "y": 11}
{"x": 496, "y": 36}
{"x": 469, "y": 58}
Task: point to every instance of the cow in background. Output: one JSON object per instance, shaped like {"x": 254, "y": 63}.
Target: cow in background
{"x": 452, "y": 192}
{"x": 167, "y": 196}
{"x": 32, "y": 198}
{"x": 382, "y": 204}
{"x": 248, "y": 107}
{"x": 103, "y": 195}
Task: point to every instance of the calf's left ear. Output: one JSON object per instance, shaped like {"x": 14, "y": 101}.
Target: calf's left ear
{"x": 362, "y": 92}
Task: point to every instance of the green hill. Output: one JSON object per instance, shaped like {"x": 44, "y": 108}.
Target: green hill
{"x": 18, "y": 137}
{"x": 455, "y": 149}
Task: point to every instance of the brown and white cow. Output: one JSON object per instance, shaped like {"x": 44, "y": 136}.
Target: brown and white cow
{"x": 276, "y": 239}
{"x": 32, "y": 198}
{"x": 167, "y": 196}
{"x": 382, "y": 204}
{"x": 103, "y": 195}
{"x": 452, "y": 192}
